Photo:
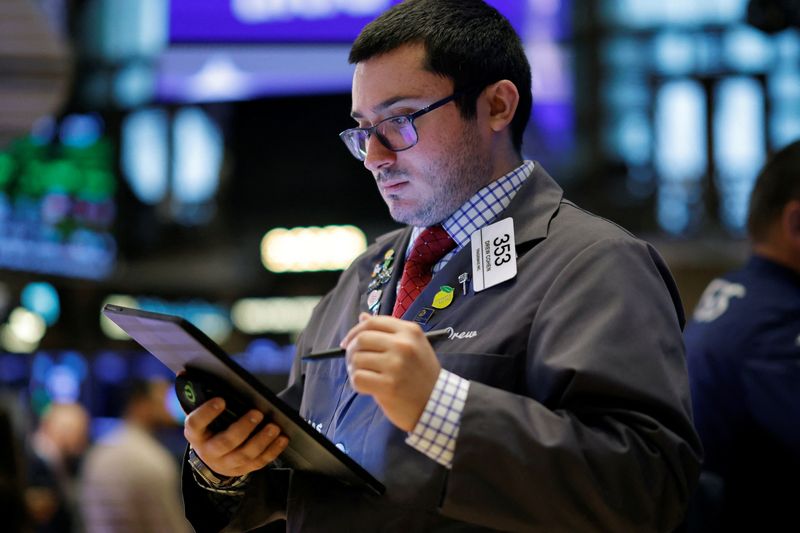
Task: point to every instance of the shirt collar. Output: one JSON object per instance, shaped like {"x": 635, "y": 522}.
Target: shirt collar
{"x": 483, "y": 208}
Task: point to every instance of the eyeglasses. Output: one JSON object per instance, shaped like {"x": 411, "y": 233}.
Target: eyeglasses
{"x": 396, "y": 133}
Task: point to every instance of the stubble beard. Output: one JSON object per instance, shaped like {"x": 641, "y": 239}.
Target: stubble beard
{"x": 460, "y": 173}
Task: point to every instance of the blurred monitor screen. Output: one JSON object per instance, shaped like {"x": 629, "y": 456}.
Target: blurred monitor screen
{"x": 57, "y": 204}
{"x": 285, "y": 21}
{"x": 223, "y": 50}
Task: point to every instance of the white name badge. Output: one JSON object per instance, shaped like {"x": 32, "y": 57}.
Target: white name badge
{"x": 494, "y": 258}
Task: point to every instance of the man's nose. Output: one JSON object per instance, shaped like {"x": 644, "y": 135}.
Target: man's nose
{"x": 378, "y": 156}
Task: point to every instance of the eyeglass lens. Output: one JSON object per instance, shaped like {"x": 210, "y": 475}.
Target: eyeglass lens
{"x": 395, "y": 133}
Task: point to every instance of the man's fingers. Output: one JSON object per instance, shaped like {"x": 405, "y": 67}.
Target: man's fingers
{"x": 372, "y": 383}
{"x": 272, "y": 452}
{"x": 235, "y": 435}
{"x": 370, "y": 341}
{"x": 385, "y": 324}
{"x": 259, "y": 451}
{"x": 258, "y": 443}
{"x": 368, "y": 360}
{"x": 198, "y": 420}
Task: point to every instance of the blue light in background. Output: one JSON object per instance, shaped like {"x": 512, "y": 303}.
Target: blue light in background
{"x": 739, "y": 146}
{"x": 42, "y": 363}
{"x": 784, "y": 89}
{"x": 625, "y": 90}
{"x": 42, "y": 298}
{"x": 197, "y": 142}
{"x": 647, "y": 13}
{"x": 110, "y": 367}
{"x": 623, "y": 51}
{"x": 14, "y": 368}
{"x": 264, "y": 356}
{"x": 748, "y": 49}
{"x": 144, "y": 154}
{"x": 631, "y": 137}
{"x": 80, "y": 131}
{"x": 134, "y": 84}
{"x": 103, "y": 426}
{"x": 674, "y": 52}
{"x": 57, "y": 377}
{"x": 76, "y": 363}
{"x": 680, "y": 152}
{"x": 557, "y": 119}
{"x": 63, "y": 384}
{"x": 212, "y": 319}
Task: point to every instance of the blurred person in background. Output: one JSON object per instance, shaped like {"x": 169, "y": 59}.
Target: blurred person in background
{"x": 13, "y": 511}
{"x": 130, "y": 482}
{"x": 56, "y": 448}
{"x": 743, "y": 349}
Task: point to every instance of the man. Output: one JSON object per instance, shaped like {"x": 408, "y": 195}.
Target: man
{"x": 56, "y": 449}
{"x": 131, "y": 482}
{"x": 743, "y": 347}
{"x": 558, "y": 402}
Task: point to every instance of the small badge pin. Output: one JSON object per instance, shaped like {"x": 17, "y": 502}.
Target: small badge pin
{"x": 382, "y": 272}
{"x": 424, "y": 315}
{"x": 463, "y": 279}
{"x": 444, "y": 297}
{"x": 374, "y": 298}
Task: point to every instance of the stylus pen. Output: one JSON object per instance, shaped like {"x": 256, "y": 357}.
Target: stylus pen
{"x": 339, "y": 352}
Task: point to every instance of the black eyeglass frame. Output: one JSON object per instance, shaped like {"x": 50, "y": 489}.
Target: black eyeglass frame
{"x": 374, "y": 129}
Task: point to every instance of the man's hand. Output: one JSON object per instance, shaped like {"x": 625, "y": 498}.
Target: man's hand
{"x": 230, "y": 452}
{"x": 391, "y": 360}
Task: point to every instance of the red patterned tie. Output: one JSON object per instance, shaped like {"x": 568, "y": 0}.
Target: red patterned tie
{"x": 429, "y": 247}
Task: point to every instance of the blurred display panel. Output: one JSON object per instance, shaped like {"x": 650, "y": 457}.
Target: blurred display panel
{"x": 740, "y": 153}
{"x": 680, "y": 152}
{"x": 223, "y": 50}
{"x": 57, "y": 203}
{"x": 285, "y": 21}
{"x": 183, "y": 162}
{"x": 694, "y": 99}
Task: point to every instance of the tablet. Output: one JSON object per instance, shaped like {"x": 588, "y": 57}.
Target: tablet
{"x": 181, "y": 346}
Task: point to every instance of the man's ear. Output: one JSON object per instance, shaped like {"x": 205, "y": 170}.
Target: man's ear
{"x": 503, "y": 99}
{"x": 790, "y": 223}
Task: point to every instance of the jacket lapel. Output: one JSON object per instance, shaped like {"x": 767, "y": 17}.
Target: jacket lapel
{"x": 398, "y": 242}
{"x": 532, "y": 208}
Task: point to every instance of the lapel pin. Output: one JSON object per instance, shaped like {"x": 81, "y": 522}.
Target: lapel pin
{"x": 463, "y": 279}
{"x": 444, "y": 297}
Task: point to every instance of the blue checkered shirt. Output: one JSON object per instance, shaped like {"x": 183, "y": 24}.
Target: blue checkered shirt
{"x": 437, "y": 430}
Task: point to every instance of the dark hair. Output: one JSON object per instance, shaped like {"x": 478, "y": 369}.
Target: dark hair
{"x": 131, "y": 392}
{"x": 465, "y": 40}
{"x": 776, "y": 185}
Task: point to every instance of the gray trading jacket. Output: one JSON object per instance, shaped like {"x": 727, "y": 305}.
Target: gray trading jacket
{"x": 578, "y": 415}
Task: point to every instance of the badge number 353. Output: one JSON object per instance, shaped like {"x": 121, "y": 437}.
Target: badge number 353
{"x": 493, "y": 256}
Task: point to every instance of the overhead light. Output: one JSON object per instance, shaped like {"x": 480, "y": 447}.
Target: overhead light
{"x": 27, "y": 326}
{"x": 310, "y": 249}
{"x": 273, "y": 315}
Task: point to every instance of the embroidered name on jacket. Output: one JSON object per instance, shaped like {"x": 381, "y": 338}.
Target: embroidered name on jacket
{"x": 452, "y": 334}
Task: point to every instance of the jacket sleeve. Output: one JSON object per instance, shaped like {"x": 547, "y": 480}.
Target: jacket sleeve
{"x": 602, "y": 439}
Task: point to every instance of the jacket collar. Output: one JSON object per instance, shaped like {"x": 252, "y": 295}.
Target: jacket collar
{"x": 532, "y": 209}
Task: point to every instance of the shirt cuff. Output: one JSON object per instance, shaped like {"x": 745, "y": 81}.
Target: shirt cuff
{"x": 437, "y": 430}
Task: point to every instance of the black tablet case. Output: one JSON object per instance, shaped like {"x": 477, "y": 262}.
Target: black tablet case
{"x": 180, "y": 345}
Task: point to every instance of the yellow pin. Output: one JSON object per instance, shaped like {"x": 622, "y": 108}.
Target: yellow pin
{"x": 444, "y": 297}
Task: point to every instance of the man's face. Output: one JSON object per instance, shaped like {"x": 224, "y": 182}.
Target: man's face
{"x": 426, "y": 183}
